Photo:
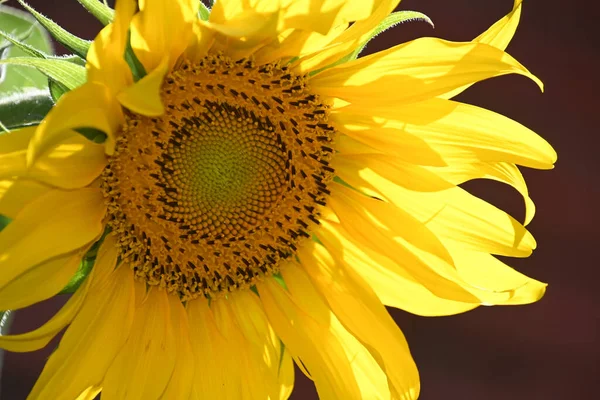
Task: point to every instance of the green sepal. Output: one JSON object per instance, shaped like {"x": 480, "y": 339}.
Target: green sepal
{"x": 391, "y": 21}
{"x": 74, "y": 43}
{"x": 203, "y": 12}
{"x": 4, "y": 221}
{"x": 388, "y": 22}
{"x": 92, "y": 134}
{"x": 281, "y": 354}
{"x": 137, "y": 68}
{"x": 58, "y": 89}
{"x": 85, "y": 267}
{"x": 26, "y": 108}
{"x": 68, "y": 74}
{"x": 24, "y": 47}
{"x": 279, "y": 279}
{"x": 101, "y": 11}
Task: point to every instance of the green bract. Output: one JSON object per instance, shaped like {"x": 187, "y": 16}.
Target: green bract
{"x": 101, "y": 11}
{"x": 76, "y": 44}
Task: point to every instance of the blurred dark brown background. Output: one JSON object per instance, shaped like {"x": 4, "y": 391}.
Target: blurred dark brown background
{"x": 549, "y": 350}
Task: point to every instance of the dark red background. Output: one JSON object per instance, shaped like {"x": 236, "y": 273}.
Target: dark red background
{"x": 549, "y": 350}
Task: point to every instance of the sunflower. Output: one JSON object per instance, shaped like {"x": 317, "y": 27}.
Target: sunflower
{"x": 253, "y": 201}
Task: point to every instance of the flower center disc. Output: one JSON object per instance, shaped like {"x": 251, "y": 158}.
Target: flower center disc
{"x": 213, "y": 194}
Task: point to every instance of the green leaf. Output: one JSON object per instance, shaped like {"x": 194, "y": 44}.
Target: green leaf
{"x": 101, "y": 11}
{"x": 6, "y": 318}
{"x": 20, "y": 26}
{"x": 74, "y": 43}
{"x": 5, "y": 321}
{"x": 203, "y": 12}
{"x": 66, "y": 73}
{"x": 25, "y": 108}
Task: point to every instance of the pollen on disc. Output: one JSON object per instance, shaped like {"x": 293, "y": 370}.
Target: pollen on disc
{"x": 215, "y": 193}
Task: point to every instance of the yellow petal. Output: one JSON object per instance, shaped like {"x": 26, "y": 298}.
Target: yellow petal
{"x": 323, "y": 16}
{"x": 40, "y": 282}
{"x": 356, "y": 167}
{"x": 88, "y": 106}
{"x": 201, "y": 41}
{"x": 268, "y": 366}
{"x": 144, "y": 365}
{"x": 105, "y": 61}
{"x": 180, "y": 385}
{"x": 144, "y": 96}
{"x": 421, "y": 69}
{"x": 393, "y": 285}
{"x": 459, "y": 217}
{"x": 257, "y": 361}
{"x": 107, "y": 255}
{"x": 388, "y": 218}
{"x": 162, "y": 30}
{"x": 484, "y": 270}
{"x": 243, "y": 34}
{"x": 362, "y": 232}
{"x": 90, "y": 393}
{"x": 296, "y": 43}
{"x": 72, "y": 163}
{"x": 304, "y": 325}
{"x": 345, "y": 43}
{"x": 360, "y": 311}
{"x": 459, "y": 133}
{"x": 372, "y": 381}
{"x": 93, "y": 339}
{"x": 436, "y": 274}
{"x": 40, "y": 337}
{"x": 13, "y": 146}
{"x": 498, "y": 35}
{"x": 218, "y": 374}
{"x": 366, "y": 134}
{"x": 16, "y": 140}
{"x": 16, "y": 194}
{"x": 501, "y": 172}
{"x": 52, "y": 225}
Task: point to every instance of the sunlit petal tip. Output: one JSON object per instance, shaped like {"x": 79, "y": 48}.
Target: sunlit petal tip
{"x": 162, "y": 29}
{"x": 143, "y": 97}
{"x": 105, "y": 61}
{"x": 89, "y": 106}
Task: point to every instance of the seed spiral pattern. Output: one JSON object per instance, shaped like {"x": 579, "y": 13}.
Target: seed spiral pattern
{"x": 213, "y": 194}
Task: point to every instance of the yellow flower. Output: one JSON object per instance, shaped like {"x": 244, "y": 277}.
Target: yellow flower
{"x": 256, "y": 207}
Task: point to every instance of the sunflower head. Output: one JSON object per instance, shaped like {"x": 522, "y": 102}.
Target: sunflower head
{"x": 222, "y": 187}
{"x": 257, "y": 196}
